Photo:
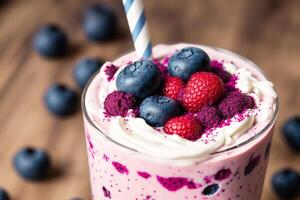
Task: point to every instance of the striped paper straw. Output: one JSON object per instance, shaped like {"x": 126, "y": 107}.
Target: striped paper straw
{"x": 138, "y": 26}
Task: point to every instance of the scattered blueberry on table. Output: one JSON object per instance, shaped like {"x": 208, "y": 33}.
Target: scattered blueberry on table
{"x": 286, "y": 183}
{"x": 100, "y": 23}
{"x": 32, "y": 164}
{"x": 84, "y": 69}
{"x": 291, "y": 132}
{"x": 51, "y": 41}
{"x": 61, "y": 100}
{"x": 3, "y": 194}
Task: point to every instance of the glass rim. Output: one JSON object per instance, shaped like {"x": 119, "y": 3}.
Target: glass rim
{"x": 230, "y": 148}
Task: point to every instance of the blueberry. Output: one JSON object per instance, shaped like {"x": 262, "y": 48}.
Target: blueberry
{"x": 32, "y": 164}
{"x": 210, "y": 190}
{"x": 60, "y": 100}
{"x": 51, "y": 41}
{"x": 187, "y": 61}
{"x": 157, "y": 110}
{"x": 84, "y": 69}
{"x": 3, "y": 194}
{"x": 141, "y": 78}
{"x": 291, "y": 133}
{"x": 100, "y": 23}
{"x": 286, "y": 183}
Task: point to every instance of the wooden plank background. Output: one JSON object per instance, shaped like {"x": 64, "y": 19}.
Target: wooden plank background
{"x": 266, "y": 31}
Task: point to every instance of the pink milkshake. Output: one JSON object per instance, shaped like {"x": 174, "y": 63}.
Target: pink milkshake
{"x": 220, "y": 153}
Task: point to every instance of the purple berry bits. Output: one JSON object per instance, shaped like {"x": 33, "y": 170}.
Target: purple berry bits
{"x": 145, "y": 175}
{"x": 90, "y": 146}
{"x": 253, "y": 162}
{"x": 224, "y": 75}
{"x": 135, "y": 112}
{"x": 209, "y": 117}
{"x": 105, "y": 157}
{"x": 230, "y": 85}
{"x": 120, "y": 168}
{"x": 249, "y": 101}
{"x": 175, "y": 183}
{"x": 207, "y": 179}
{"x": 222, "y": 174}
{"x": 216, "y": 64}
{"x": 118, "y": 103}
{"x": 110, "y": 71}
{"x": 217, "y": 68}
{"x": 235, "y": 103}
{"x": 172, "y": 183}
{"x": 106, "y": 192}
{"x": 192, "y": 185}
{"x": 210, "y": 190}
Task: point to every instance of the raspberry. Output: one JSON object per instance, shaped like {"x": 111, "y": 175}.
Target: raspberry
{"x": 203, "y": 88}
{"x": 173, "y": 87}
{"x": 184, "y": 126}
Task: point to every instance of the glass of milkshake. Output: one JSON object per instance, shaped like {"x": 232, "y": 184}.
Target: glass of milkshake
{"x": 195, "y": 122}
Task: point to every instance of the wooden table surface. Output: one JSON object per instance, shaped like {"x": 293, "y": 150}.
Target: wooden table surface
{"x": 266, "y": 31}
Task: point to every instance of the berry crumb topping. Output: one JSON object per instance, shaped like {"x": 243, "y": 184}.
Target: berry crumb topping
{"x": 110, "y": 71}
{"x": 234, "y": 103}
{"x": 118, "y": 103}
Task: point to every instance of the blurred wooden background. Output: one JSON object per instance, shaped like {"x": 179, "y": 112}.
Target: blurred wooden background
{"x": 266, "y": 31}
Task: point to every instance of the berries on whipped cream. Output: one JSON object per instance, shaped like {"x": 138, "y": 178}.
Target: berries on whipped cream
{"x": 202, "y": 94}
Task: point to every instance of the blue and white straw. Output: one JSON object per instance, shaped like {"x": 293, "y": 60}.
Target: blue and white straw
{"x": 138, "y": 26}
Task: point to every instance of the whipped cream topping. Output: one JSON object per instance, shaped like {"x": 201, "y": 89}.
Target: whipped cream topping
{"x": 136, "y": 134}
